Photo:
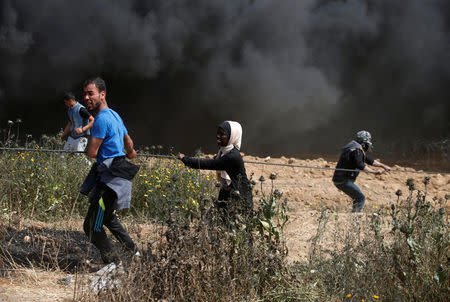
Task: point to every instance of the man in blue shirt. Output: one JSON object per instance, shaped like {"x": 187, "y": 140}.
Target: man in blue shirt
{"x": 112, "y": 174}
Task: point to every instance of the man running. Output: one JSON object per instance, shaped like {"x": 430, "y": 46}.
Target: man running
{"x": 109, "y": 181}
{"x": 78, "y": 125}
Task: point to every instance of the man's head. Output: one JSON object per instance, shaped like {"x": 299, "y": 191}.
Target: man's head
{"x": 364, "y": 139}
{"x": 94, "y": 90}
{"x": 69, "y": 99}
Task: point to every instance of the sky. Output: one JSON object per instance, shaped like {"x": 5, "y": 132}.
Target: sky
{"x": 300, "y": 76}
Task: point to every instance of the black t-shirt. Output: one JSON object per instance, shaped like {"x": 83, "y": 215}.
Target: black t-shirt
{"x": 84, "y": 113}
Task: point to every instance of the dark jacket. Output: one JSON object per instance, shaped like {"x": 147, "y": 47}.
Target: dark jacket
{"x": 352, "y": 157}
{"x": 117, "y": 174}
{"x": 231, "y": 163}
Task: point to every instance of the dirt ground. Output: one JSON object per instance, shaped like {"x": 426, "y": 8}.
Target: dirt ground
{"x": 308, "y": 191}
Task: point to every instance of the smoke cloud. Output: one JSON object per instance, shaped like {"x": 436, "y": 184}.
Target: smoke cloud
{"x": 300, "y": 76}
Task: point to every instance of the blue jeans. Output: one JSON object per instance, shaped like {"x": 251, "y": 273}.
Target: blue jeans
{"x": 354, "y": 192}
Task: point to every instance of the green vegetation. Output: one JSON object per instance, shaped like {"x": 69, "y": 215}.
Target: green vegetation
{"x": 202, "y": 254}
{"x": 46, "y": 186}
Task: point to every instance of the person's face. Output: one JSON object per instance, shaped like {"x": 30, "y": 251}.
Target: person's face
{"x": 67, "y": 103}
{"x": 93, "y": 97}
{"x": 222, "y": 137}
{"x": 366, "y": 147}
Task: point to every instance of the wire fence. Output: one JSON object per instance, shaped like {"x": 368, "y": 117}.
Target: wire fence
{"x": 150, "y": 155}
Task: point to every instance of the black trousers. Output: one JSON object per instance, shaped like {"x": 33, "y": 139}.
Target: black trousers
{"x": 101, "y": 213}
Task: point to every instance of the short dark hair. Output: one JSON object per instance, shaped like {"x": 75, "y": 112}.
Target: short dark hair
{"x": 69, "y": 96}
{"x": 97, "y": 81}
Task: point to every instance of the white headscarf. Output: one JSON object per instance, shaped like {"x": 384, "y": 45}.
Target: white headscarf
{"x": 234, "y": 142}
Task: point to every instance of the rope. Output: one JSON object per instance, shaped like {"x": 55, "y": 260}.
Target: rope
{"x": 247, "y": 162}
{"x": 341, "y": 169}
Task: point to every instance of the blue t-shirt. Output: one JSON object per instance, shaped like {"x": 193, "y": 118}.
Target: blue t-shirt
{"x": 109, "y": 126}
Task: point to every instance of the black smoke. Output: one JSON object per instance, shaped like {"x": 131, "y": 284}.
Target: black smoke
{"x": 301, "y": 76}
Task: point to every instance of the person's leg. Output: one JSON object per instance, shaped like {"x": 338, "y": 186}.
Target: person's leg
{"x": 113, "y": 224}
{"x": 82, "y": 143}
{"x": 68, "y": 144}
{"x": 93, "y": 226}
{"x": 355, "y": 193}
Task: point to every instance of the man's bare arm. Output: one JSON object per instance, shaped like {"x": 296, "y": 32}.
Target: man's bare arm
{"x": 85, "y": 128}
{"x": 93, "y": 147}
{"x": 377, "y": 163}
{"x": 129, "y": 147}
{"x": 367, "y": 169}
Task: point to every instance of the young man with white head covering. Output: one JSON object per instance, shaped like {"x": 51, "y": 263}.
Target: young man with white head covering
{"x": 228, "y": 163}
{"x": 353, "y": 157}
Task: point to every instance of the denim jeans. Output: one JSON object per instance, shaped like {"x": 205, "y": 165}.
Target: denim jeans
{"x": 354, "y": 192}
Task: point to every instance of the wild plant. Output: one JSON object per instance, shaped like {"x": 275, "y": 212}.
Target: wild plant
{"x": 402, "y": 256}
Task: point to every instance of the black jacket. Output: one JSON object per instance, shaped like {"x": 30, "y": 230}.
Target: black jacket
{"x": 231, "y": 163}
{"x": 352, "y": 158}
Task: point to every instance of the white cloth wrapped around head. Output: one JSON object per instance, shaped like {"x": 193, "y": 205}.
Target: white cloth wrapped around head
{"x": 234, "y": 132}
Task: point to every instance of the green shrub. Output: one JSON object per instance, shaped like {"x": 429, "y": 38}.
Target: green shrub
{"x": 403, "y": 256}
{"x": 45, "y": 185}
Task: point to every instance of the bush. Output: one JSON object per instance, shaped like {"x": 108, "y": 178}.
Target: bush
{"x": 45, "y": 185}
{"x": 399, "y": 257}
{"x": 217, "y": 256}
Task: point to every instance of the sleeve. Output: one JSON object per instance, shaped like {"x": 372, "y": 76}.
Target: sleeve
{"x": 359, "y": 159}
{"x": 206, "y": 163}
{"x": 100, "y": 128}
{"x": 125, "y": 131}
{"x": 369, "y": 160}
{"x": 84, "y": 113}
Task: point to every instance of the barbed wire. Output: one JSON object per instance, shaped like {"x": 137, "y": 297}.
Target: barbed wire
{"x": 148, "y": 155}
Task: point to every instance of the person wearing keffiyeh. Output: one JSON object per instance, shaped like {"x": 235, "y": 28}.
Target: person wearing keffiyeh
{"x": 229, "y": 164}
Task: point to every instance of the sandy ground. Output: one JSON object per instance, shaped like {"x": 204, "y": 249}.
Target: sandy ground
{"x": 308, "y": 190}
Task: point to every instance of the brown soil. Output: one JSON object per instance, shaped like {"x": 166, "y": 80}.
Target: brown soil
{"x": 308, "y": 191}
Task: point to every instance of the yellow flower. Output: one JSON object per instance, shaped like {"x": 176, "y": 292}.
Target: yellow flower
{"x": 145, "y": 195}
{"x": 32, "y": 159}
{"x": 164, "y": 195}
{"x": 349, "y": 295}
{"x": 13, "y": 159}
{"x": 150, "y": 191}
{"x": 362, "y": 300}
{"x": 376, "y": 297}
{"x": 146, "y": 181}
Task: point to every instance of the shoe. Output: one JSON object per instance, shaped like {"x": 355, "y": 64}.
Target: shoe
{"x": 111, "y": 268}
{"x": 137, "y": 256}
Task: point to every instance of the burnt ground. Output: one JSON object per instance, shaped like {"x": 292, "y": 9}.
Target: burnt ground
{"x": 46, "y": 248}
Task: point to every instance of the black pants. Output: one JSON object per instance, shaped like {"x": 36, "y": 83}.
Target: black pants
{"x": 101, "y": 213}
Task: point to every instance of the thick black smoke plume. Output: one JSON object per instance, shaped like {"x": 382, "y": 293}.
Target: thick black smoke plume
{"x": 301, "y": 76}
